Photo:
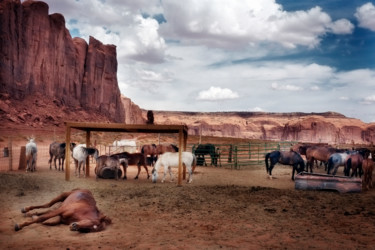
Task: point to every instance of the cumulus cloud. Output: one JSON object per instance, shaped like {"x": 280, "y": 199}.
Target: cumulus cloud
{"x": 234, "y": 24}
{"x": 341, "y": 27}
{"x": 217, "y": 94}
{"x": 256, "y": 109}
{"x": 287, "y": 87}
{"x": 366, "y": 16}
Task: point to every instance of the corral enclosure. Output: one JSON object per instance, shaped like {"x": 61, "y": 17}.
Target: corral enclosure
{"x": 224, "y": 207}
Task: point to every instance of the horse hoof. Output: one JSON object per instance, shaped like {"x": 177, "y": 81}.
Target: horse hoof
{"x": 23, "y": 210}
{"x": 74, "y": 226}
{"x": 270, "y": 177}
{"x": 16, "y": 227}
{"x": 136, "y": 178}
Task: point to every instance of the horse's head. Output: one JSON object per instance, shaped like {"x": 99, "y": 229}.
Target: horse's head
{"x": 154, "y": 174}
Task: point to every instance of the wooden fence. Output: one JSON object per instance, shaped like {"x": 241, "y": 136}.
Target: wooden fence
{"x": 237, "y": 156}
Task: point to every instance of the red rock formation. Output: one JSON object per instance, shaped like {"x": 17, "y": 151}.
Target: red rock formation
{"x": 332, "y": 128}
{"x": 38, "y": 55}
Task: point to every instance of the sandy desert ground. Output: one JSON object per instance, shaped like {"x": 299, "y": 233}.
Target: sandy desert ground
{"x": 220, "y": 209}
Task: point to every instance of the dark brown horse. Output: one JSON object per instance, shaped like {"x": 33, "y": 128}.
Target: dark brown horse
{"x": 354, "y": 162}
{"x": 368, "y": 167}
{"x": 149, "y": 150}
{"x": 286, "y": 158}
{"x": 78, "y": 208}
{"x": 108, "y": 167}
{"x": 57, "y": 152}
{"x": 133, "y": 159}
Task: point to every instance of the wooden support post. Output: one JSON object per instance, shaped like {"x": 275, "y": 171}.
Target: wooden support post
{"x": 180, "y": 170}
{"x": 88, "y": 134}
{"x": 10, "y": 154}
{"x": 67, "y": 154}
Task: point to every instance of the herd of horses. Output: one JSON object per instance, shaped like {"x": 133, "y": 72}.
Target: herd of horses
{"x": 78, "y": 207}
{"x": 356, "y": 162}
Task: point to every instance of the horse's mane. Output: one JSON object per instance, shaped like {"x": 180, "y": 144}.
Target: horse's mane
{"x": 175, "y": 147}
{"x": 90, "y": 151}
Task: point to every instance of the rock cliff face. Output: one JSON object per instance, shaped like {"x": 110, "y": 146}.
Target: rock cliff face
{"x": 332, "y": 128}
{"x": 38, "y": 55}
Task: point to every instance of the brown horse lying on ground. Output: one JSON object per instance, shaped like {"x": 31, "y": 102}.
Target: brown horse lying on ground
{"x": 368, "y": 167}
{"x": 78, "y": 209}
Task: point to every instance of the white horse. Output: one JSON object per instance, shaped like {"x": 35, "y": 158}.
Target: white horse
{"x": 31, "y": 155}
{"x": 169, "y": 160}
{"x": 80, "y": 154}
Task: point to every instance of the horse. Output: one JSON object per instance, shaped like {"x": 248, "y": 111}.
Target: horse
{"x": 286, "y": 158}
{"x": 57, "y": 151}
{"x": 31, "y": 155}
{"x": 338, "y": 159}
{"x": 319, "y": 153}
{"x": 163, "y": 148}
{"x": 206, "y": 149}
{"x": 78, "y": 209}
{"x": 149, "y": 150}
{"x": 133, "y": 159}
{"x": 80, "y": 154}
{"x": 108, "y": 167}
{"x": 170, "y": 159}
{"x": 354, "y": 162}
{"x": 368, "y": 167}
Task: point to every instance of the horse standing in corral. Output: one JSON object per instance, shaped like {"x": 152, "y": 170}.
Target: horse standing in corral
{"x": 57, "y": 151}
{"x": 133, "y": 159}
{"x": 338, "y": 159}
{"x": 149, "y": 150}
{"x": 286, "y": 158}
{"x": 206, "y": 149}
{"x": 169, "y": 160}
{"x": 80, "y": 154}
{"x": 78, "y": 209}
{"x": 368, "y": 167}
{"x": 31, "y": 155}
{"x": 319, "y": 153}
{"x": 108, "y": 167}
{"x": 354, "y": 162}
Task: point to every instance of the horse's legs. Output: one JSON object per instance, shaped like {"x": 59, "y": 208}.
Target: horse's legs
{"x": 76, "y": 165}
{"x": 190, "y": 172}
{"x": 124, "y": 167}
{"x": 139, "y": 170}
{"x": 55, "y": 162}
{"x": 38, "y": 219}
{"x": 165, "y": 173}
{"x": 59, "y": 198}
{"x": 145, "y": 167}
{"x": 62, "y": 165}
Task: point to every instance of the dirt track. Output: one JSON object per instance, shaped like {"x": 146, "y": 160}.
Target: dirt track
{"x": 222, "y": 208}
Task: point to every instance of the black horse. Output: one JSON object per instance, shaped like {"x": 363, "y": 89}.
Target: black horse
{"x": 286, "y": 158}
{"x": 206, "y": 149}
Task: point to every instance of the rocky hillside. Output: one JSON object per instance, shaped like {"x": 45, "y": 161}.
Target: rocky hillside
{"x": 330, "y": 127}
{"x": 38, "y": 56}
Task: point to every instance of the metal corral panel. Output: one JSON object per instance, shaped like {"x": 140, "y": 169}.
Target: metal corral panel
{"x": 342, "y": 184}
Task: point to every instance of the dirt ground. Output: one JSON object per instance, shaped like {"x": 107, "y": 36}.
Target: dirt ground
{"x": 221, "y": 208}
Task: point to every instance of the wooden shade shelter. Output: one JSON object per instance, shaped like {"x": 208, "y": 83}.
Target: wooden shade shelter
{"x": 182, "y": 131}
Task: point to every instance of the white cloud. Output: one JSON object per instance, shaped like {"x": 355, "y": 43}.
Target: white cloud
{"x": 256, "y": 109}
{"x": 341, "y": 26}
{"x": 369, "y": 100}
{"x": 237, "y": 24}
{"x": 287, "y": 87}
{"x": 366, "y": 16}
{"x": 216, "y": 94}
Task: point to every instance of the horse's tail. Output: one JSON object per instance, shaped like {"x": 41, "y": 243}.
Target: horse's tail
{"x": 330, "y": 165}
{"x": 266, "y": 160}
{"x": 194, "y": 163}
{"x": 348, "y": 166}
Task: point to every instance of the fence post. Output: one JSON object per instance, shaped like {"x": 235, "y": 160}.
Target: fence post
{"x": 235, "y": 157}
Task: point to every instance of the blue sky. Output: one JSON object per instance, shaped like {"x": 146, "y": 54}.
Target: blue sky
{"x": 266, "y": 55}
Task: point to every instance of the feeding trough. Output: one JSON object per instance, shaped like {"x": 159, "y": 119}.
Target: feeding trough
{"x": 342, "y": 184}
